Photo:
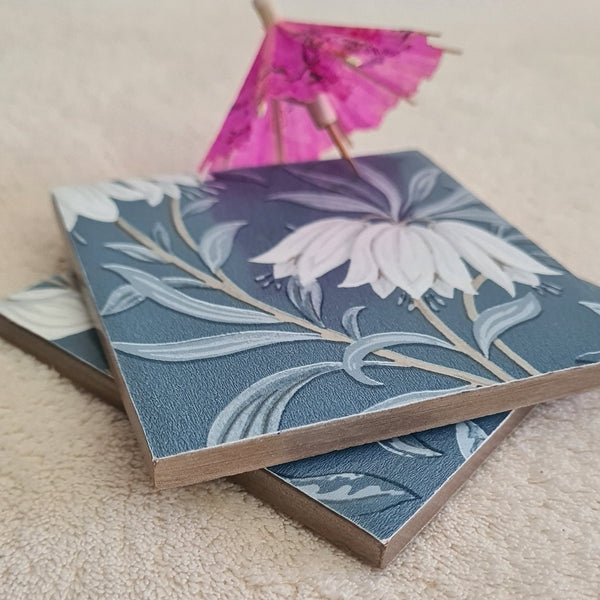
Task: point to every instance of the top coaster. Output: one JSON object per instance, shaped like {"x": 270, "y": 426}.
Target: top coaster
{"x": 271, "y": 314}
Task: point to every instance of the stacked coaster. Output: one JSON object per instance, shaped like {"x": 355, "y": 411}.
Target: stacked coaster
{"x": 273, "y": 314}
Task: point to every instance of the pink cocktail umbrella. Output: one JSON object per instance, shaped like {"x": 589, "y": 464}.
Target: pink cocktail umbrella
{"x": 312, "y": 85}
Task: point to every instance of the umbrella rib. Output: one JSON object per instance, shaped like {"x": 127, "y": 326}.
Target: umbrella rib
{"x": 277, "y": 130}
{"x": 376, "y": 81}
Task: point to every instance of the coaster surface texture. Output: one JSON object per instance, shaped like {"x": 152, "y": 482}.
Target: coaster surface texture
{"x": 264, "y": 315}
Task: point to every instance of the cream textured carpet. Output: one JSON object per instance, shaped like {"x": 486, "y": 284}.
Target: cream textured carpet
{"x": 100, "y": 88}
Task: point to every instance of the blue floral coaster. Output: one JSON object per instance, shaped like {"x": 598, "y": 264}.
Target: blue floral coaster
{"x": 371, "y": 499}
{"x": 268, "y": 314}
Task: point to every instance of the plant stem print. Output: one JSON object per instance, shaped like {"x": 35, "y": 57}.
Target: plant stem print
{"x": 378, "y": 486}
{"x": 277, "y": 297}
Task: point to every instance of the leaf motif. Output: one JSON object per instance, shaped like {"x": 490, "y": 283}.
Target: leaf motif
{"x": 329, "y": 202}
{"x": 120, "y": 299}
{"x": 258, "y": 409}
{"x": 421, "y": 185}
{"x": 458, "y": 199}
{"x": 412, "y": 397}
{"x": 161, "y": 236}
{"x": 183, "y": 282}
{"x": 474, "y": 213}
{"x": 216, "y": 243}
{"x": 593, "y": 306}
{"x": 350, "y": 321}
{"x": 242, "y": 176}
{"x": 385, "y": 186}
{"x": 409, "y": 446}
{"x": 154, "y": 289}
{"x": 332, "y": 183}
{"x": 493, "y": 322}
{"x": 135, "y": 251}
{"x": 197, "y": 207}
{"x": 356, "y": 352}
{"x": 589, "y": 357}
{"x": 211, "y": 346}
{"x": 307, "y": 299}
{"x": 469, "y": 437}
{"x": 354, "y": 493}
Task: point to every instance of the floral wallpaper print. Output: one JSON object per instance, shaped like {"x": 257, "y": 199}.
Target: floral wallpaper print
{"x": 335, "y": 479}
{"x": 373, "y": 291}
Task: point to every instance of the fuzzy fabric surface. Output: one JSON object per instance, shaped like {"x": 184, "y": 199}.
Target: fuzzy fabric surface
{"x": 103, "y": 89}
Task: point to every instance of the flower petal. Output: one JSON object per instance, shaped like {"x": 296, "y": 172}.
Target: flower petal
{"x": 363, "y": 268}
{"x": 500, "y": 250}
{"x": 475, "y": 256}
{"x": 284, "y": 269}
{"x": 385, "y": 186}
{"x": 87, "y": 201}
{"x": 293, "y": 244}
{"x": 152, "y": 192}
{"x": 447, "y": 262}
{"x": 386, "y": 252}
{"x": 383, "y": 287}
{"x": 415, "y": 260}
{"x": 328, "y": 251}
{"x": 118, "y": 191}
{"x": 520, "y": 276}
{"x": 443, "y": 288}
{"x": 69, "y": 216}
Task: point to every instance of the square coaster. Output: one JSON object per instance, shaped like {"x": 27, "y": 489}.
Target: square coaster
{"x": 266, "y": 315}
{"x": 370, "y": 500}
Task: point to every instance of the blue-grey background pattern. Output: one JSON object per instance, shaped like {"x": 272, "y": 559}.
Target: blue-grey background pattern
{"x": 178, "y": 402}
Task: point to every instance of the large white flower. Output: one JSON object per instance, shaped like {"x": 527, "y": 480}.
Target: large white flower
{"x": 410, "y": 249}
{"x": 97, "y": 200}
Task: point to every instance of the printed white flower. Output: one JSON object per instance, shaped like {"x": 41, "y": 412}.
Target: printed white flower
{"x": 94, "y": 201}
{"x": 156, "y": 188}
{"x": 411, "y": 249}
{"x": 97, "y": 200}
{"x": 50, "y": 312}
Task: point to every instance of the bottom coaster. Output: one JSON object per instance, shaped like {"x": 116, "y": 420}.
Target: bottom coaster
{"x": 370, "y": 500}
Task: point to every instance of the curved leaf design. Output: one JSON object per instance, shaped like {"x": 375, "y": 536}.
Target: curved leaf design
{"x": 593, "y": 306}
{"x": 306, "y": 298}
{"x": 154, "y": 289}
{"x": 350, "y": 321}
{"x": 331, "y": 183}
{"x": 197, "y": 207}
{"x": 258, "y": 409}
{"x": 161, "y": 236}
{"x": 493, "y": 322}
{"x": 469, "y": 436}
{"x": 474, "y": 213}
{"x": 211, "y": 346}
{"x": 421, "y": 184}
{"x": 135, "y": 251}
{"x": 216, "y": 244}
{"x": 183, "y": 282}
{"x": 386, "y": 187}
{"x": 589, "y": 357}
{"x": 456, "y": 200}
{"x": 355, "y": 493}
{"x": 409, "y": 446}
{"x": 242, "y": 176}
{"x": 355, "y": 353}
{"x": 329, "y": 202}
{"x": 412, "y": 397}
{"x": 120, "y": 299}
